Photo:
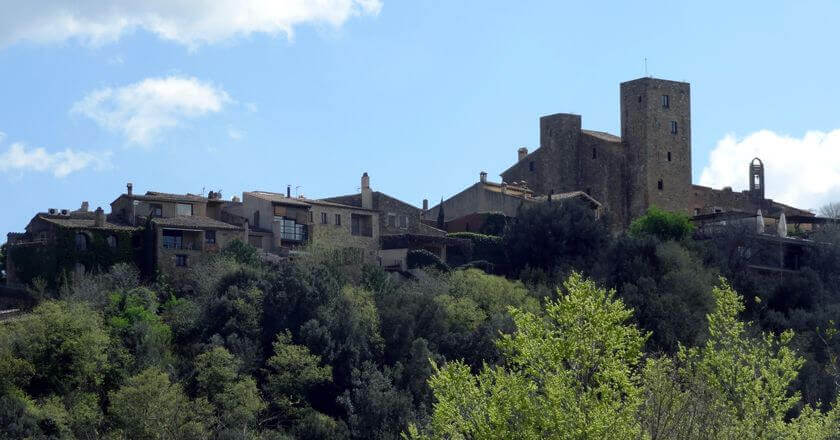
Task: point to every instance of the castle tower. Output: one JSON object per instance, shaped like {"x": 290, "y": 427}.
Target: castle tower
{"x": 656, "y": 131}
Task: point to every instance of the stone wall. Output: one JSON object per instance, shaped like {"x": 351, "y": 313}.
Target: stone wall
{"x": 477, "y": 198}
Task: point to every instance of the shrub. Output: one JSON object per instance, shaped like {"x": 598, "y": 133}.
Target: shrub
{"x": 485, "y": 247}
{"x": 662, "y": 224}
{"x": 419, "y": 258}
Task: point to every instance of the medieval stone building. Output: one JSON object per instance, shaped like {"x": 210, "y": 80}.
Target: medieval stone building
{"x": 649, "y": 165}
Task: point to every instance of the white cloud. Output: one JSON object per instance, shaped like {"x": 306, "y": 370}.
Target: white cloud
{"x": 60, "y": 164}
{"x": 188, "y": 22}
{"x": 804, "y": 172}
{"x": 235, "y": 134}
{"x": 141, "y": 111}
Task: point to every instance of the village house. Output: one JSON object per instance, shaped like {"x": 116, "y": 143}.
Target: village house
{"x": 401, "y": 225}
{"x": 282, "y": 224}
{"x": 64, "y": 241}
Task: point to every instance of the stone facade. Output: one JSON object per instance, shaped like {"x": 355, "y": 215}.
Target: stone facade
{"x": 649, "y": 165}
{"x": 395, "y": 216}
{"x": 270, "y": 215}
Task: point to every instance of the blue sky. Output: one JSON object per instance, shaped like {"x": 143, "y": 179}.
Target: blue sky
{"x": 423, "y": 95}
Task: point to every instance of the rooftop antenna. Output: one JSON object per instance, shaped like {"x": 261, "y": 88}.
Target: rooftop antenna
{"x": 297, "y": 190}
{"x": 646, "y": 69}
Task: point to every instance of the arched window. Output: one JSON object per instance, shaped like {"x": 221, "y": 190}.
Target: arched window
{"x": 112, "y": 241}
{"x": 81, "y": 241}
{"x": 256, "y": 219}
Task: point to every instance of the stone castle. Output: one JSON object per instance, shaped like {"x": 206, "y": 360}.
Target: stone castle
{"x": 649, "y": 165}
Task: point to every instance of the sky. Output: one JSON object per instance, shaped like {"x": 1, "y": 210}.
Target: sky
{"x": 238, "y": 95}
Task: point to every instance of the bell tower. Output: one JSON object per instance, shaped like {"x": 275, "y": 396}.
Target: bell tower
{"x": 757, "y": 179}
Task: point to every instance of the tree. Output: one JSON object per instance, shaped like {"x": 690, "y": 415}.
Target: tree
{"x": 235, "y": 397}
{"x": 733, "y": 387}
{"x": 441, "y": 219}
{"x": 568, "y": 375}
{"x": 555, "y": 236}
{"x": 292, "y": 371}
{"x": 830, "y": 210}
{"x": 664, "y": 225}
{"x": 150, "y": 407}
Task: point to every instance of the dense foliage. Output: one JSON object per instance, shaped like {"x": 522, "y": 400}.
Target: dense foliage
{"x": 589, "y": 336}
{"x": 664, "y": 225}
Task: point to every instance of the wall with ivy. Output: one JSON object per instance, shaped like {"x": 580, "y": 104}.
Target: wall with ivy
{"x": 60, "y": 257}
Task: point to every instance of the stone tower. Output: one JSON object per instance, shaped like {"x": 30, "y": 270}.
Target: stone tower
{"x": 656, "y": 132}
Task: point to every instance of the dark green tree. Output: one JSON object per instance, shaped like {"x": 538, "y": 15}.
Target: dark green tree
{"x": 555, "y": 236}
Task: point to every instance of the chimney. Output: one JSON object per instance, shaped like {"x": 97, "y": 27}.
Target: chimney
{"x": 482, "y": 177}
{"x": 85, "y": 206}
{"x": 99, "y": 218}
{"x": 289, "y": 191}
{"x": 367, "y": 194}
{"x": 129, "y": 187}
{"x": 522, "y": 152}
{"x": 504, "y": 187}
{"x": 425, "y": 204}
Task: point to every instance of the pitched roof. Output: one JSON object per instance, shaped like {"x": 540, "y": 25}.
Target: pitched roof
{"x": 155, "y": 196}
{"x": 356, "y": 199}
{"x": 301, "y": 201}
{"x": 84, "y": 223}
{"x": 278, "y": 198}
{"x": 602, "y": 135}
{"x": 193, "y": 222}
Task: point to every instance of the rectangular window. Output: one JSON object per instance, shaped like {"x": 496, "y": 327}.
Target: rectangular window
{"x": 156, "y": 210}
{"x": 338, "y": 219}
{"x": 531, "y": 166}
{"x": 361, "y": 225}
{"x": 403, "y": 222}
{"x": 669, "y": 156}
{"x": 673, "y": 127}
{"x": 594, "y": 153}
{"x": 660, "y": 185}
{"x": 392, "y": 220}
{"x": 666, "y": 101}
{"x": 290, "y": 230}
{"x": 181, "y": 260}
{"x": 185, "y": 209}
{"x": 173, "y": 239}
{"x": 324, "y": 220}
{"x": 210, "y": 237}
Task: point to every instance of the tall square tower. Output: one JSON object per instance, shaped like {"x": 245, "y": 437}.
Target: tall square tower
{"x": 656, "y": 132}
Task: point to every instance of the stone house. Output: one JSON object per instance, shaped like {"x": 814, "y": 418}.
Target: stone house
{"x": 280, "y": 223}
{"x": 401, "y": 224}
{"x": 468, "y": 210}
{"x": 60, "y": 242}
{"x": 180, "y": 232}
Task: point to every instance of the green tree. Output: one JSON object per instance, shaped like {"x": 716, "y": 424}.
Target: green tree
{"x": 665, "y": 225}
{"x": 568, "y": 375}
{"x": 150, "y": 407}
{"x": 555, "y": 236}
{"x": 235, "y": 397}
{"x": 292, "y": 371}
{"x": 733, "y": 387}
{"x": 133, "y": 318}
